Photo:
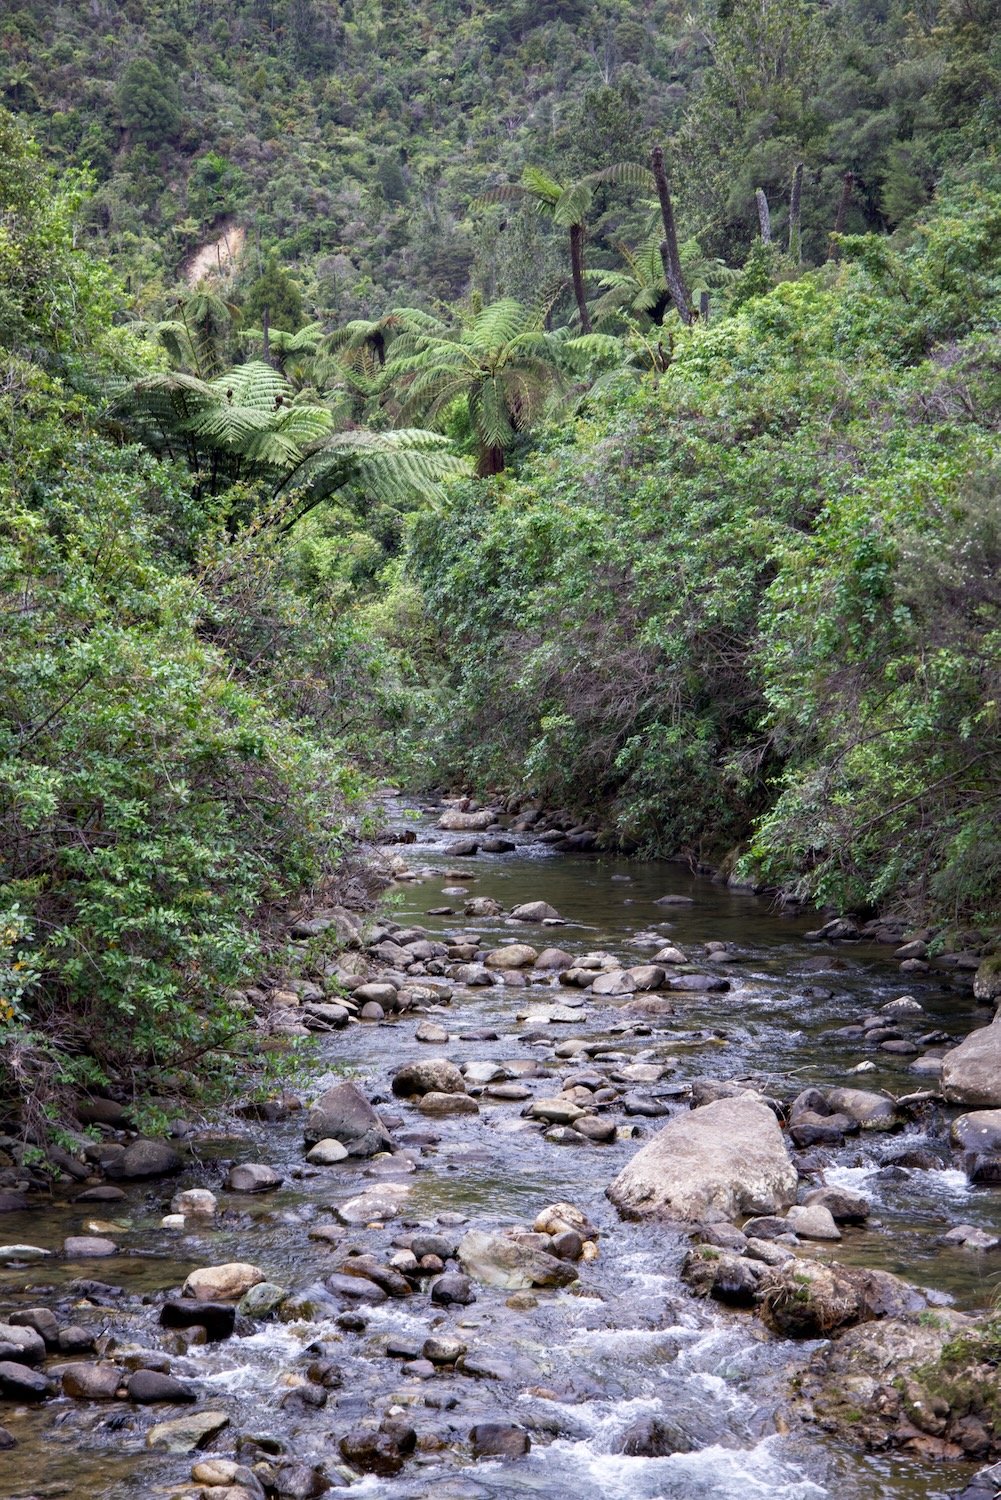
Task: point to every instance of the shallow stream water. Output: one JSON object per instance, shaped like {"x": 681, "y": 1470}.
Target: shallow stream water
{"x": 586, "y": 1362}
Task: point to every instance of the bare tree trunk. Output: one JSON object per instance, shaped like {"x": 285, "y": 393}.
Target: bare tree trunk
{"x": 795, "y": 200}
{"x": 669, "y": 245}
{"x": 704, "y": 306}
{"x": 847, "y": 185}
{"x": 266, "y": 323}
{"x": 577, "y": 269}
{"x": 764, "y": 217}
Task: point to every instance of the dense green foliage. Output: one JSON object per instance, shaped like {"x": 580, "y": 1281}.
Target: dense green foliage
{"x": 356, "y": 140}
{"x": 166, "y": 778}
{"x": 763, "y": 586}
{"x": 727, "y": 573}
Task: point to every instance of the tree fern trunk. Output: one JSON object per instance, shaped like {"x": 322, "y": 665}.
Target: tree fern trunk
{"x": 577, "y": 269}
{"x": 764, "y": 217}
{"x": 266, "y": 323}
{"x": 847, "y": 184}
{"x": 489, "y": 460}
{"x": 669, "y": 245}
{"x": 795, "y": 202}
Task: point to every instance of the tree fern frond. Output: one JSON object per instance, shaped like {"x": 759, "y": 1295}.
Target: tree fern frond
{"x": 537, "y": 182}
{"x": 574, "y": 204}
{"x": 626, "y": 174}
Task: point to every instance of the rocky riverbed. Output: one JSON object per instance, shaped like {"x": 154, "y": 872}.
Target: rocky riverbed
{"x": 605, "y": 1181}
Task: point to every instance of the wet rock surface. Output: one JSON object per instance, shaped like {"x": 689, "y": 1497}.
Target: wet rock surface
{"x": 378, "y": 1287}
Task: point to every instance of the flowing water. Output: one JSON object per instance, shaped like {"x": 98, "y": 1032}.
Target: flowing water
{"x": 584, "y": 1363}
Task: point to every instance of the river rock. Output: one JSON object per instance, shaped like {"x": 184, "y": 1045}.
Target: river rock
{"x": 512, "y": 956}
{"x": 870, "y": 1111}
{"x": 466, "y": 822}
{"x": 20, "y": 1383}
{"x": 844, "y": 1206}
{"x": 614, "y": 982}
{"x": 432, "y": 1075}
{"x": 375, "y": 1205}
{"x": 147, "y": 1387}
{"x": 971, "y": 1072}
{"x": 805, "y": 1299}
{"x": 512, "y": 1263}
{"x": 652, "y": 1437}
{"x": 440, "y": 1349}
{"x": 145, "y": 1158}
{"x": 987, "y": 980}
{"x": 813, "y": 1221}
{"x": 22, "y": 1343}
{"x": 453, "y": 1289}
{"x": 327, "y": 1153}
{"x": 647, "y": 976}
{"x": 482, "y": 906}
{"x": 344, "y": 1114}
{"x": 440, "y": 1106}
{"x": 979, "y": 1131}
{"x": 187, "y": 1434}
{"x": 194, "y": 1203}
{"x": 721, "y": 1161}
{"x": 97, "y": 1382}
{"x": 670, "y": 955}
{"x": 252, "y": 1177}
{"x": 431, "y": 1033}
{"x": 554, "y": 958}
{"x": 355, "y": 1288}
{"x": 381, "y": 1451}
{"x": 88, "y": 1247}
{"x": 262, "y": 1300}
{"x": 12, "y": 1254}
{"x": 557, "y": 1111}
{"x": 217, "y": 1318}
{"x": 225, "y": 1283}
{"x": 385, "y": 995}
{"x": 41, "y": 1319}
{"x": 499, "y": 1440}
{"x": 535, "y": 911}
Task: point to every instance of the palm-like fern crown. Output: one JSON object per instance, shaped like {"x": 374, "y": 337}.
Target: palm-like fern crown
{"x": 501, "y": 362}
{"x": 251, "y": 422}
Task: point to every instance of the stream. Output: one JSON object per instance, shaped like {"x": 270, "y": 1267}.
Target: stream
{"x": 584, "y": 1363}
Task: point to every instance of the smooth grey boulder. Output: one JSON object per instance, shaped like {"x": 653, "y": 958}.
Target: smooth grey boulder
{"x": 971, "y": 1072}
{"x": 145, "y": 1158}
{"x": 514, "y": 1263}
{"x": 535, "y": 911}
{"x": 252, "y": 1177}
{"x": 725, "y": 1160}
{"x": 344, "y": 1114}
{"x": 435, "y": 1075}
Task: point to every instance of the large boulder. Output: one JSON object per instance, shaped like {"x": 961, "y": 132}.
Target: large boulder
{"x": 987, "y": 980}
{"x": 723, "y": 1161}
{"x": 466, "y": 822}
{"x": 512, "y": 956}
{"x": 535, "y": 911}
{"x": 252, "y": 1177}
{"x": 435, "y": 1076}
{"x": 344, "y": 1114}
{"x": 807, "y": 1299}
{"x": 23, "y": 1345}
{"x": 868, "y": 1110}
{"x": 512, "y": 1262}
{"x": 971, "y": 1072}
{"x": 226, "y": 1283}
{"x": 145, "y": 1158}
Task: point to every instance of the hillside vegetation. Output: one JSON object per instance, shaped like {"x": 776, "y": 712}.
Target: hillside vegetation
{"x": 512, "y": 452}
